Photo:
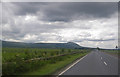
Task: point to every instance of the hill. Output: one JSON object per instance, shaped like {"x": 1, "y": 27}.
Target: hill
{"x": 70, "y": 45}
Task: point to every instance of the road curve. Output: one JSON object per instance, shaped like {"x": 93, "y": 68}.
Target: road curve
{"x": 95, "y": 63}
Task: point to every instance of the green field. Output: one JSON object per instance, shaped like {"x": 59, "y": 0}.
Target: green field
{"x": 112, "y": 52}
{"x": 35, "y": 61}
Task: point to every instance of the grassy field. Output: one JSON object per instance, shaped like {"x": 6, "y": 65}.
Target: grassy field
{"x": 51, "y": 68}
{"x": 112, "y": 52}
{"x": 34, "y": 61}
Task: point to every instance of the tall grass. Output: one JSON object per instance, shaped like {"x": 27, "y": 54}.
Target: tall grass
{"x": 17, "y": 61}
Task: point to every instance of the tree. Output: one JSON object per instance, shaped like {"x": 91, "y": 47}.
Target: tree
{"x": 116, "y": 47}
{"x": 98, "y": 48}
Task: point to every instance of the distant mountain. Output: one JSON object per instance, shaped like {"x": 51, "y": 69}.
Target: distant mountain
{"x": 70, "y": 45}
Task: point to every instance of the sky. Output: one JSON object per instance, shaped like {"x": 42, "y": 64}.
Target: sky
{"x": 89, "y": 24}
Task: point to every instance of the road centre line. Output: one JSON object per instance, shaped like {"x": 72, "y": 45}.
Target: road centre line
{"x": 105, "y": 63}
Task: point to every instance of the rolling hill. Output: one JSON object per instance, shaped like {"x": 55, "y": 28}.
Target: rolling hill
{"x": 70, "y": 45}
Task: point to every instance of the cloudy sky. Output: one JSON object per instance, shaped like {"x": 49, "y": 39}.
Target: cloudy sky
{"x": 88, "y": 24}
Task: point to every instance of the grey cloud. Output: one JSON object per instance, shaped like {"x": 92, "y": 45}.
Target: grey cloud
{"x": 25, "y": 8}
{"x": 72, "y": 11}
{"x": 93, "y": 40}
{"x": 67, "y": 19}
{"x": 65, "y": 11}
{"x": 112, "y": 39}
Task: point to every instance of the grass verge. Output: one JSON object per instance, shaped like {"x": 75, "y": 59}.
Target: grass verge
{"x": 49, "y": 69}
{"x": 111, "y": 52}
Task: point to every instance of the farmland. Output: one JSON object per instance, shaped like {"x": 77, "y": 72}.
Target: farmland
{"x": 21, "y": 61}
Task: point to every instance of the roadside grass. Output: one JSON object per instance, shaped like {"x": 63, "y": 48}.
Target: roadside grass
{"x": 49, "y": 69}
{"x": 9, "y": 54}
{"x": 34, "y": 61}
{"x": 112, "y": 52}
{"x": 0, "y": 58}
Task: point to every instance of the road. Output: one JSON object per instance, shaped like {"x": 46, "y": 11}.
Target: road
{"x": 95, "y": 63}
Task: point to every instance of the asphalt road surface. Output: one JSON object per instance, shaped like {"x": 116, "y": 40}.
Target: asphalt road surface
{"x": 95, "y": 63}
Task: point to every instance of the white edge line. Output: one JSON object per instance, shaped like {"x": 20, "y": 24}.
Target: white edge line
{"x": 105, "y": 63}
{"x": 72, "y": 65}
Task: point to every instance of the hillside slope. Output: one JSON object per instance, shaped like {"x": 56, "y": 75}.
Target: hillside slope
{"x": 70, "y": 45}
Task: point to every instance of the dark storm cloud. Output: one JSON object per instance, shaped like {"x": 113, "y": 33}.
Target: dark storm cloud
{"x": 28, "y": 8}
{"x": 66, "y": 11}
{"x": 73, "y": 11}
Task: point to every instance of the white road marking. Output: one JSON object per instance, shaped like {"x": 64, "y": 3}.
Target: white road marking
{"x": 105, "y": 63}
{"x": 101, "y": 57}
{"x": 71, "y": 65}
